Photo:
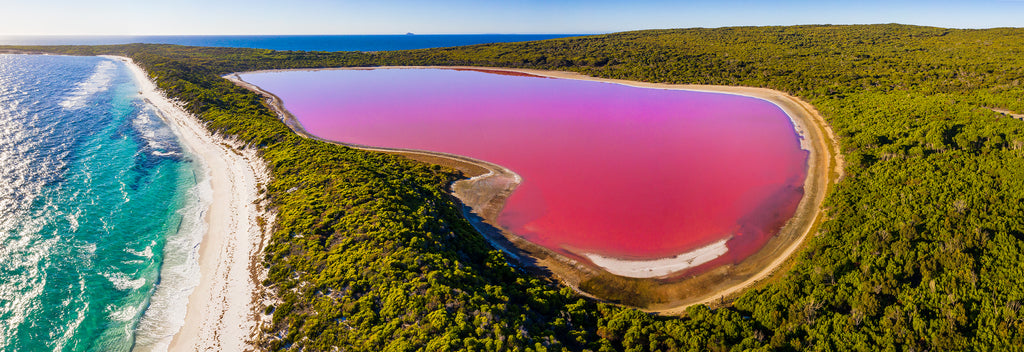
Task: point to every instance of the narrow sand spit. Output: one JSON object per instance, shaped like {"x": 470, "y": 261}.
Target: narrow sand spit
{"x": 222, "y": 313}
{"x": 485, "y": 193}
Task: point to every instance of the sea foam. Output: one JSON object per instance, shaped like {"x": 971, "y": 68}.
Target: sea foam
{"x": 159, "y": 140}
{"x": 73, "y": 325}
{"x": 98, "y": 82}
{"x": 179, "y": 274}
{"x": 145, "y": 253}
{"x": 84, "y": 211}
{"x": 123, "y": 282}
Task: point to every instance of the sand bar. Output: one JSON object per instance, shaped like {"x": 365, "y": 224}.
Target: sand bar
{"x": 660, "y": 267}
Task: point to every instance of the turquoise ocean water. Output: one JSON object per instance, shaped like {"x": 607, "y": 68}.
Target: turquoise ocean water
{"x": 99, "y": 209}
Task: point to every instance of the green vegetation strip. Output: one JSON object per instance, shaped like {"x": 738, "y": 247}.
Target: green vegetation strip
{"x": 922, "y": 250}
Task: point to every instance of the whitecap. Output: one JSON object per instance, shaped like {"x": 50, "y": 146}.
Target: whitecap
{"x": 123, "y": 282}
{"x": 98, "y": 82}
{"x": 159, "y": 139}
{"x": 125, "y": 313}
{"x": 145, "y": 253}
{"x": 159, "y": 153}
{"x": 73, "y": 325}
{"x": 73, "y": 220}
{"x": 179, "y": 274}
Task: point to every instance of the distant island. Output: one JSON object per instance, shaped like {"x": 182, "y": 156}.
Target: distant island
{"x": 919, "y": 245}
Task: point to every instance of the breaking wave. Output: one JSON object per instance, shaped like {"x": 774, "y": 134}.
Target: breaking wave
{"x": 98, "y": 82}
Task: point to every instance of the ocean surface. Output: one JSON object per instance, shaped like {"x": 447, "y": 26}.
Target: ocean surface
{"x": 608, "y": 169}
{"x": 292, "y": 42}
{"x": 100, "y": 208}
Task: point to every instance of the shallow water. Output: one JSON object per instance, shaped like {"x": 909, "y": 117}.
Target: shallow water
{"x": 619, "y": 171}
{"x": 95, "y": 189}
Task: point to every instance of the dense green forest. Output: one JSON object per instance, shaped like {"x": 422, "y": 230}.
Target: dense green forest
{"x": 922, "y": 248}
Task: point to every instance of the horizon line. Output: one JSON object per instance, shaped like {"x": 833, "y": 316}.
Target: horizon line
{"x": 3, "y": 35}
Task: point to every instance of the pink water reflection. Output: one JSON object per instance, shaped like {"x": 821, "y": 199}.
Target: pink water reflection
{"x": 619, "y": 171}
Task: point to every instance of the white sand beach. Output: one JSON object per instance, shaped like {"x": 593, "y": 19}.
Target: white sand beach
{"x": 222, "y": 311}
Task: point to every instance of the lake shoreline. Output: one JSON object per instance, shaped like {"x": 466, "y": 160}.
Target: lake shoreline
{"x": 485, "y": 192}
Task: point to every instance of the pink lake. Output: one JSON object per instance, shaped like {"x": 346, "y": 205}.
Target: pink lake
{"x": 618, "y": 171}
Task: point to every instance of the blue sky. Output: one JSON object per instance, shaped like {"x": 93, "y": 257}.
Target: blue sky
{"x": 184, "y": 17}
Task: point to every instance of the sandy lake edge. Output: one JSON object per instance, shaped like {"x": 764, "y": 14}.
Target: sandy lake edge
{"x": 483, "y": 196}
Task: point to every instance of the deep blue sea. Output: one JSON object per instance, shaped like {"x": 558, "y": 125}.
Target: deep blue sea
{"x": 293, "y": 42}
{"x": 100, "y": 208}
